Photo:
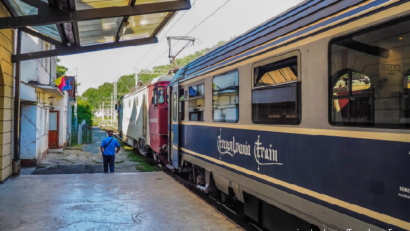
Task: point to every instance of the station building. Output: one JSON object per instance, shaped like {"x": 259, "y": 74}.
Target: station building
{"x": 7, "y": 46}
{"x": 45, "y": 112}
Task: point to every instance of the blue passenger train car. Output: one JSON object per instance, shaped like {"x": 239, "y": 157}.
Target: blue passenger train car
{"x": 306, "y": 116}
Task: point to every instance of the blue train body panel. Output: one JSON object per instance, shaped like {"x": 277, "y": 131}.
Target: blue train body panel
{"x": 363, "y": 172}
{"x": 175, "y": 145}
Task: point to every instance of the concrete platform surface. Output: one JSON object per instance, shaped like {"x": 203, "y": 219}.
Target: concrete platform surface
{"x": 121, "y": 201}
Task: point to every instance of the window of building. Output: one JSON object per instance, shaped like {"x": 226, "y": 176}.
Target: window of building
{"x": 161, "y": 97}
{"x": 370, "y": 76}
{"x": 275, "y": 95}
{"x": 225, "y": 97}
{"x": 196, "y": 102}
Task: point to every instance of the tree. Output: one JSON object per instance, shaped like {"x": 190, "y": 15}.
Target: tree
{"x": 96, "y": 96}
{"x": 103, "y": 93}
{"x": 144, "y": 77}
{"x": 61, "y": 70}
{"x": 84, "y": 111}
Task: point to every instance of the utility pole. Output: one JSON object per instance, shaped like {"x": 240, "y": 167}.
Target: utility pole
{"x": 75, "y": 93}
{"x": 115, "y": 98}
{"x": 111, "y": 109}
{"x": 103, "y": 111}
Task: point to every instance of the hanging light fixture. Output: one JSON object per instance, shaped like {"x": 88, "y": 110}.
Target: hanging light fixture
{"x": 51, "y": 100}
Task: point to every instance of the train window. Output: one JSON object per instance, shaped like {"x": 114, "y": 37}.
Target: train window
{"x": 275, "y": 95}
{"x": 370, "y": 76}
{"x": 161, "y": 95}
{"x": 154, "y": 97}
{"x": 196, "y": 90}
{"x": 174, "y": 110}
{"x": 181, "y": 104}
{"x": 168, "y": 94}
{"x": 196, "y": 102}
{"x": 225, "y": 98}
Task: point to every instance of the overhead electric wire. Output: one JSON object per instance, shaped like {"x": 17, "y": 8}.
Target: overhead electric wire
{"x": 124, "y": 83}
{"x": 191, "y": 31}
{"x": 164, "y": 34}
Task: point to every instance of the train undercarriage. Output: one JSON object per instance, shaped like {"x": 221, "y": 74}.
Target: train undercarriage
{"x": 243, "y": 208}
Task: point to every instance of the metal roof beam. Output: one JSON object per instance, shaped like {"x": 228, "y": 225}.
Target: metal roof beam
{"x": 74, "y": 25}
{"x": 64, "y": 50}
{"x": 52, "y": 15}
{"x": 62, "y": 34}
{"x": 76, "y": 34}
{"x": 124, "y": 21}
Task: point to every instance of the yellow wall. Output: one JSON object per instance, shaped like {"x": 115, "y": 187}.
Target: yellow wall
{"x": 6, "y": 97}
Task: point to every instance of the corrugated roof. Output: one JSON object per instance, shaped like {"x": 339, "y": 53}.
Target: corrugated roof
{"x": 81, "y": 24}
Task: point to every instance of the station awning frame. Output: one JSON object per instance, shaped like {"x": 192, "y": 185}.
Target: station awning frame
{"x": 133, "y": 24}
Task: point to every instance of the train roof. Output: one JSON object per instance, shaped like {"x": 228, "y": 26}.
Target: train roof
{"x": 305, "y": 18}
{"x": 149, "y": 83}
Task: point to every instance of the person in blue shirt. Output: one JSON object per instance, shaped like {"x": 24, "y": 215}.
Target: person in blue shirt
{"x": 109, "y": 147}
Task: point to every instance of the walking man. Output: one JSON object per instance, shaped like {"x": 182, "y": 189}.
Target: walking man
{"x": 109, "y": 147}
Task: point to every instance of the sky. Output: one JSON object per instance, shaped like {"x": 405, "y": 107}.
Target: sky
{"x": 233, "y": 18}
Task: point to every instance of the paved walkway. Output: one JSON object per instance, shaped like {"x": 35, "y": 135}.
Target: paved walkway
{"x": 86, "y": 160}
{"x": 123, "y": 201}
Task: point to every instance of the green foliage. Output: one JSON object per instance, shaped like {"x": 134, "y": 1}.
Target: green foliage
{"x": 84, "y": 111}
{"x": 181, "y": 62}
{"x": 142, "y": 76}
{"x": 61, "y": 70}
{"x": 96, "y": 96}
{"x": 144, "y": 164}
{"x": 103, "y": 93}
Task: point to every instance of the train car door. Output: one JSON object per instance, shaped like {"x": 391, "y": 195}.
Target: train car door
{"x": 144, "y": 116}
{"x": 174, "y": 126}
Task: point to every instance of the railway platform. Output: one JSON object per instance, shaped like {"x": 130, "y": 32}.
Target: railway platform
{"x": 121, "y": 201}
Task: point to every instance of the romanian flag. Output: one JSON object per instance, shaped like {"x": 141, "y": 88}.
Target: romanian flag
{"x": 67, "y": 85}
{"x": 60, "y": 82}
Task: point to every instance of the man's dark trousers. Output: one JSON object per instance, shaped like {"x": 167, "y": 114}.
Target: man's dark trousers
{"x": 108, "y": 160}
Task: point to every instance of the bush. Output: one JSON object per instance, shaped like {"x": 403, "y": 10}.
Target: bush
{"x": 84, "y": 112}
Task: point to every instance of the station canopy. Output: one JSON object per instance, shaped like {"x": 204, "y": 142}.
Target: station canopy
{"x": 78, "y": 26}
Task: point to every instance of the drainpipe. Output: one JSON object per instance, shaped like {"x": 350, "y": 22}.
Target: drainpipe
{"x": 16, "y": 117}
{"x": 49, "y": 82}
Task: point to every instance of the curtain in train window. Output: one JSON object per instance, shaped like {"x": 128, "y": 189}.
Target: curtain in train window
{"x": 168, "y": 94}
{"x": 225, "y": 101}
{"x": 370, "y": 73}
{"x": 161, "y": 97}
{"x": 154, "y": 97}
{"x": 275, "y": 97}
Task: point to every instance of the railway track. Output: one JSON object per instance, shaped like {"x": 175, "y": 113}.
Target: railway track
{"x": 226, "y": 211}
{"x": 223, "y": 209}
